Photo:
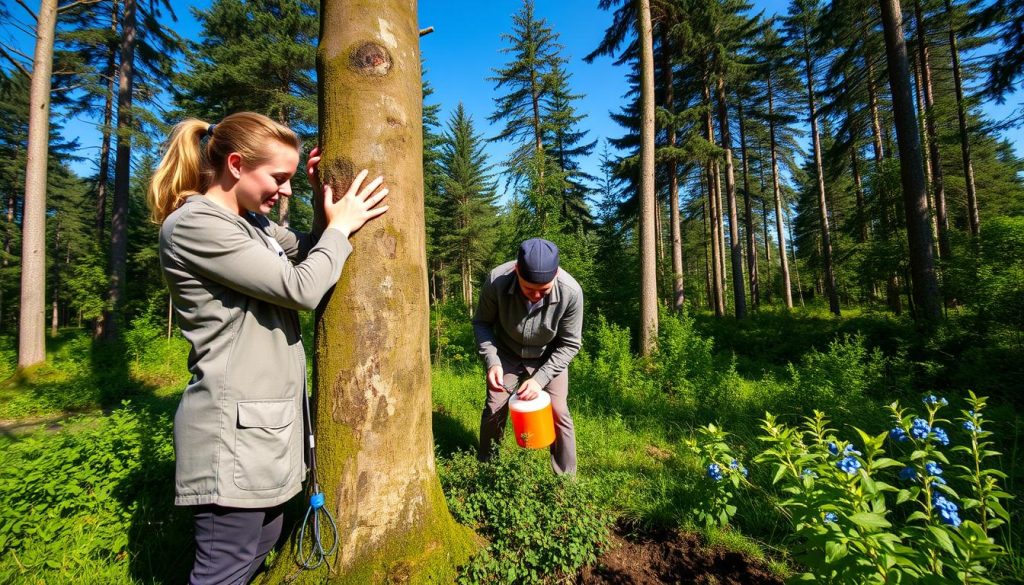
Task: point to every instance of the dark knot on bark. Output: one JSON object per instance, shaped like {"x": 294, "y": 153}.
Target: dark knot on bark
{"x": 371, "y": 59}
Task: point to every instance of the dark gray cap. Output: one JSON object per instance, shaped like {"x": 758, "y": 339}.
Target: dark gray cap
{"x": 537, "y": 261}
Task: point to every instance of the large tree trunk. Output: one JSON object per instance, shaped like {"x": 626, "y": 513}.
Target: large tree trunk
{"x": 648, "y": 274}
{"x": 938, "y": 188}
{"x": 922, "y": 254}
{"x": 973, "y": 219}
{"x": 707, "y": 239}
{"x": 32, "y": 323}
{"x": 748, "y": 217}
{"x": 829, "y": 275}
{"x": 372, "y": 366}
{"x": 110, "y": 325}
{"x": 780, "y": 233}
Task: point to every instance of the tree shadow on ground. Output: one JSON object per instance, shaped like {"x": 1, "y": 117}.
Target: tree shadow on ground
{"x": 450, "y": 435}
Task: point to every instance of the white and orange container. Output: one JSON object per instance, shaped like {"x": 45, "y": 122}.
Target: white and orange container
{"x": 533, "y": 421}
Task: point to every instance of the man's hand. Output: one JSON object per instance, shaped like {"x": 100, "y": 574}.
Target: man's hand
{"x": 495, "y": 376}
{"x": 529, "y": 390}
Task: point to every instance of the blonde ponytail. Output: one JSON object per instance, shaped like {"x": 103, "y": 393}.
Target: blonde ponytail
{"x": 188, "y": 168}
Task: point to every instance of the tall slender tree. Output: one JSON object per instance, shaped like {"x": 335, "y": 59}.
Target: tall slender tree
{"x": 915, "y": 197}
{"x": 31, "y": 338}
{"x": 648, "y": 277}
{"x": 468, "y": 195}
{"x": 800, "y": 23}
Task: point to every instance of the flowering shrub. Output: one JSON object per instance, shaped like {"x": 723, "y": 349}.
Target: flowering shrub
{"x": 723, "y": 475}
{"x": 886, "y": 508}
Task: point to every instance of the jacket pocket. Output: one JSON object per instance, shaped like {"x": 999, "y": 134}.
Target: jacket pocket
{"x": 263, "y": 441}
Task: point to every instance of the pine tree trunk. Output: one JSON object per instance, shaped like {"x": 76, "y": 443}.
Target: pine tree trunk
{"x": 938, "y": 187}
{"x": 31, "y": 325}
{"x": 796, "y": 265}
{"x": 708, "y": 259}
{"x": 54, "y": 316}
{"x": 678, "y": 284}
{"x": 748, "y": 217}
{"x": 780, "y": 233}
{"x": 111, "y": 326}
{"x": 283, "y": 215}
{"x": 922, "y": 254}
{"x": 829, "y": 275}
{"x": 648, "y": 274}
{"x": 108, "y": 118}
{"x": 973, "y": 219}
{"x": 876, "y": 124}
{"x": 372, "y": 365}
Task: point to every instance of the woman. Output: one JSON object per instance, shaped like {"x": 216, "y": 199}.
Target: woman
{"x": 237, "y": 281}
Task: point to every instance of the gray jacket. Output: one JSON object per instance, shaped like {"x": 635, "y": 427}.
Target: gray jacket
{"x": 550, "y": 334}
{"x": 238, "y": 431}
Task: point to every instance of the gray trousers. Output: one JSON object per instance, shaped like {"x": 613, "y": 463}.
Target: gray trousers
{"x": 495, "y": 415}
{"x": 231, "y": 543}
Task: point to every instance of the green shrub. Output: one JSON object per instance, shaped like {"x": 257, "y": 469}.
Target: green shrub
{"x": 95, "y": 499}
{"x": 838, "y": 378}
{"x": 538, "y": 525}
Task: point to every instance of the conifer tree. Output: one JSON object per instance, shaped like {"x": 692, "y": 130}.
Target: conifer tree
{"x": 467, "y": 202}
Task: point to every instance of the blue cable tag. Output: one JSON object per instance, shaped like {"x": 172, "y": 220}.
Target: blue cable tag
{"x": 316, "y": 501}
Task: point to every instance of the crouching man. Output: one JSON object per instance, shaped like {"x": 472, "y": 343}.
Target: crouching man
{"x": 528, "y": 325}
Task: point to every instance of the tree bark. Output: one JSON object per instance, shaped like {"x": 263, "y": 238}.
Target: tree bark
{"x": 675, "y": 231}
{"x": 110, "y": 325}
{"x": 787, "y": 293}
{"x": 648, "y": 274}
{"x": 108, "y": 117}
{"x": 973, "y": 219}
{"x": 922, "y": 254}
{"x": 32, "y": 323}
{"x": 748, "y": 217}
{"x": 829, "y": 275}
{"x": 938, "y": 187}
{"x": 372, "y": 365}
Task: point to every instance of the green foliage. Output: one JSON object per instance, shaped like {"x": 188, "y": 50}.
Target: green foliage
{"x": 839, "y": 377}
{"x": 537, "y": 524}
{"x": 854, "y": 518}
{"x": 88, "y": 501}
{"x": 724, "y": 474}
{"x": 451, "y": 336}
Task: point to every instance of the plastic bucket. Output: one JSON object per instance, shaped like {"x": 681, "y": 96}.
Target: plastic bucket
{"x": 533, "y": 421}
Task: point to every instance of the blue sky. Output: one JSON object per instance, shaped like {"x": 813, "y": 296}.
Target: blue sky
{"x": 465, "y": 48}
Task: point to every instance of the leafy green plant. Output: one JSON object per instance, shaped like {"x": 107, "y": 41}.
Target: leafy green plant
{"x": 538, "y": 524}
{"x": 855, "y": 521}
{"x": 724, "y": 474}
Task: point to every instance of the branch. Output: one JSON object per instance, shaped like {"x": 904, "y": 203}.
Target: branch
{"x": 77, "y": 3}
{"x": 426, "y": 31}
{"x": 14, "y": 62}
{"x": 27, "y": 9}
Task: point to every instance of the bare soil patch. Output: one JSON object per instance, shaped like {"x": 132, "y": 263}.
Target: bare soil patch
{"x": 673, "y": 557}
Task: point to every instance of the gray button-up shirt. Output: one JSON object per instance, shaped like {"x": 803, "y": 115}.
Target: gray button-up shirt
{"x": 550, "y": 333}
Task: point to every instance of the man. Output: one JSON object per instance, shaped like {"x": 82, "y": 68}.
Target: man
{"x": 528, "y": 325}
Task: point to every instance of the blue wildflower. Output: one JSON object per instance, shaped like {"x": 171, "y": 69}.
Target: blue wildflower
{"x": 715, "y": 472}
{"x": 969, "y": 427}
{"x": 920, "y": 428}
{"x": 898, "y": 434}
{"x": 831, "y": 517}
{"x": 933, "y": 468}
{"x": 734, "y": 465}
{"x": 833, "y": 448}
{"x": 908, "y": 474}
{"x": 948, "y": 511}
{"x": 849, "y": 450}
{"x": 936, "y": 479}
{"x": 849, "y": 464}
{"x": 809, "y": 472}
{"x": 932, "y": 399}
{"x": 940, "y": 436}
{"x": 745, "y": 472}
